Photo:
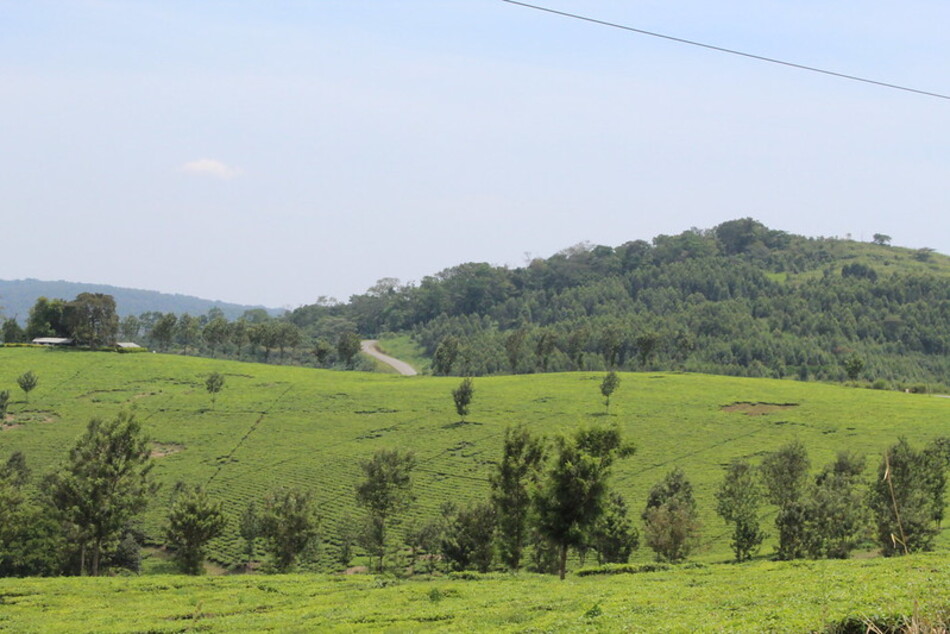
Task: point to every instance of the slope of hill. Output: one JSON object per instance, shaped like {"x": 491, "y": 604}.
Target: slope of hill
{"x": 739, "y": 299}
{"x": 18, "y": 296}
{"x": 283, "y": 426}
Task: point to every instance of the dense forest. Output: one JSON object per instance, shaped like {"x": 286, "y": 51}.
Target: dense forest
{"x": 739, "y": 299}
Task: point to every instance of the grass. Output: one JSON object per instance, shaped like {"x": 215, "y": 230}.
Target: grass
{"x": 285, "y": 426}
{"x": 405, "y": 349}
{"x": 828, "y": 596}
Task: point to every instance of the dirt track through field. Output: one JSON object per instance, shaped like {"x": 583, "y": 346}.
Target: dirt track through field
{"x": 371, "y": 347}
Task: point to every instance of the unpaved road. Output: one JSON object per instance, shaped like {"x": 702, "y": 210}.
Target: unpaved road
{"x": 371, "y": 347}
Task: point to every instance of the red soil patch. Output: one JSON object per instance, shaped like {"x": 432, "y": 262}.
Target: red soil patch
{"x": 164, "y": 449}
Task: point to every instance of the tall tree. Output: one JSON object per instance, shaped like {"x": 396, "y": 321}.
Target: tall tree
{"x": 571, "y": 497}
{"x": 11, "y": 331}
{"x": 386, "y": 491}
{"x": 512, "y": 480}
{"x": 467, "y": 538}
{"x": 46, "y": 319}
{"x": 785, "y": 474}
{"x": 737, "y": 503}
{"x": 92, "y": 320}
{"x": 289, "y": 525}
{"x": 607, "y": 387}
{"x": 163, "y": 332}
{"x": 347, "y": 347}
{"x": 194, "y": 520}
{"x": 614, "y": 536}
{"x": 904, "y": 501}
{"x": 215, "y": 333}
{"x": 105, "y": 483}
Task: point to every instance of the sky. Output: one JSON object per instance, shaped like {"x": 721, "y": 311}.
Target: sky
{"x": 276, "y": 152}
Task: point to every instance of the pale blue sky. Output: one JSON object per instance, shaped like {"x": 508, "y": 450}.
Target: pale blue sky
{"x": 273, "y": 152}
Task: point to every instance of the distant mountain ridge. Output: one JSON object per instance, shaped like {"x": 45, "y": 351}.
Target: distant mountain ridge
{"x": 18, "y": 296}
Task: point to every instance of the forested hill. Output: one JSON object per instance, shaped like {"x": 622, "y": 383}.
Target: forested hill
{"x": 18, "y": 296}
{"x": 740, "y": 299}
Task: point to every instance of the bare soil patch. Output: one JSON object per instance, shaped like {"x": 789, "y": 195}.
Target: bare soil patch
{"x": 164, "y": 449}
{"x": 757, "y": 409}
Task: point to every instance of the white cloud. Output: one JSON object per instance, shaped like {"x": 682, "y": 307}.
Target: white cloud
{"x": 212, "y": 167}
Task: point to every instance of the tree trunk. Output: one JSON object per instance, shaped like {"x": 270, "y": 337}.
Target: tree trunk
{"x": 562, "y": 563}
{"x": 96, "y": 550}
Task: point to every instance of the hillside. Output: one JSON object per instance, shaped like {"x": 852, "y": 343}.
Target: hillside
{"x": 18, "y": 296}
{"x": 739, "y": 299}
{"x": 302, "y": 427}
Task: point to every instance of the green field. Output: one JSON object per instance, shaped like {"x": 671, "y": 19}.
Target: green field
{"x": 301, "y": 427}
{"x": 801, "y": 596}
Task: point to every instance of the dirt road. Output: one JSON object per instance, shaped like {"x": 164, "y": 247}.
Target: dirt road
{"x": 371, "y": 347}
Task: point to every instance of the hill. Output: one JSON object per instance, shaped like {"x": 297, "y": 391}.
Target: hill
{"x": 739, "y": 299}
{"x": 18, "y": 296}
{"x": 285, "y": 426}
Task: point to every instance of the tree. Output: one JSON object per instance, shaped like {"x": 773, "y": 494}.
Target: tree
{"x": 130, "y": 327}
{"x": 216, "y": 333}
{"x": 607, "y": 387}
{"x": 737, "y": 503}
{"x": 213, "y": 384}
{"x": 250, "y": 529}
{"x": 105, "y": 483}
{"x": 4, "y": 402}
{"x": 853, "y": 366}
{"x": 571, "y": 497}
{"x": 514, "y": 348}
{"x": 163, "y": 332}
{"x": 385, "y": 491}
{"x": 785, "y": 474}
{"x": 614, "y": 536}
{"x": 881, "y": 239}
{"x": 92, "y": 320}
{"x": 512, "y": 479}
{"x": 188, "y": 331}
{"x": 289, "y": 525}
{"x": 12, "y": 333}
{"x": 462, "y": 395}
{"x": 646, "y": 347}
{"x": 904, "y": 501}
{"x": 15, "y": 470}
{"x": 467, "y": 538}
{"x": 347, "y": 346}
{"x": 670, "y": 518}
{"x": 31, "y": 542}
{"x": 194, "y": 520}
{"x": 445, "y": 355}
{"x": 46, "y": 319}
{"x": 837, "y": 513}
{"x": 544, "y": 347}
{"x": 27, "y": 382}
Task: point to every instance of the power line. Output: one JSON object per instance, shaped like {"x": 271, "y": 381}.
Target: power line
{"x": 730, "y": 51}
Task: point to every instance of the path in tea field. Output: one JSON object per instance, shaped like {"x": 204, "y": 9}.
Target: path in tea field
{"x": 371, "y": 347}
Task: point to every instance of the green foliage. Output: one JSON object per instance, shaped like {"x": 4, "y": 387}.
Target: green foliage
{"x": 105, "y": 483}
{"x": 837, "y": 512}
{"x": 671, "y": 523}
{"x": 15, "y": 471}
{"x": 4, "y": 402}
{"x": 467, "y": 537}
{"x": 11, "y": 332}
{"x": 193, "y": 521}
{"x": 445, "y": 355}
{"x": 785, "y": 474}
{"x": 738, "y": 500}
{"x": 386, "y": 491}
{"x": 614, "y": 536}
{"x": 906, "y": 498}
{"x": 462, "y": 395}
{"x": 572, "y": 494}
{"x": 213, "y": 384}
{"x": 512, "y": 479}
{"x": 27, "y": 382}
{"x": 853, "y": 366}
{"x": 289, "y": 526}
{"x": 347, "y": 346}
{"x": 31, "y": 542}
{"x": 608, "y": 386}
{"x": 91, "y": 319}
{"x": 250, "y": 529}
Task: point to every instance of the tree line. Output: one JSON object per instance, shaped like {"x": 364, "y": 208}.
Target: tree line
{"x": 548, "y": 498}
